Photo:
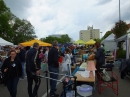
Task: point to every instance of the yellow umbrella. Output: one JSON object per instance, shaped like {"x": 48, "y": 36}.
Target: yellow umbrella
{"x": 79, "y": 42}
{"x": 30, "y": 43}
{"x": 91, "y": 42}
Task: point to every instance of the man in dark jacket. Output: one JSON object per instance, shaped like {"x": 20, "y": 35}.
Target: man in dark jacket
{"x": 53, "y": 66}
{"x": 99, "y": 56}
{"x": 33, "y": 67}
{"x": 21, "y": 56}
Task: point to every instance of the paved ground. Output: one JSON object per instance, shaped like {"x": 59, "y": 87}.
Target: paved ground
{"x": 124, "y": 89}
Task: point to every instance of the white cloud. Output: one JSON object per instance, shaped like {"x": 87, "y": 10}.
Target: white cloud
{"x": 70, "y": 16}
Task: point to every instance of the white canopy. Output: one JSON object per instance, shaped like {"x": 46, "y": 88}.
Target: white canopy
{"x": 110, "y": 38}
{"x": 126, "y": 39}
{"x": 109, "y": 42}
{"x": 4, "y": 42}
{"x": 123, "y": 38}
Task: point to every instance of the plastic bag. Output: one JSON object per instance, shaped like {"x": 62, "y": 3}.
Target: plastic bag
{"x": 64, "y": 66}
{"x": 105, "y": 75}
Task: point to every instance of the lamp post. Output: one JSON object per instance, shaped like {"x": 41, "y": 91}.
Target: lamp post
{"x": 101, "y": 34}
{"x": 119, "y": 12}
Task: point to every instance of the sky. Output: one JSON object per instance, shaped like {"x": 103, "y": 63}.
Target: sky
{"x": 70, "y": 16}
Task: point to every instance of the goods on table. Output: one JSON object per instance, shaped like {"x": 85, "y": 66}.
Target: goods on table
{"x": 91, "y": 57}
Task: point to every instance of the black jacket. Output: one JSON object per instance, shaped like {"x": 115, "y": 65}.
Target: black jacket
{"x": 21, "y": 55}
{"x": 53, "y": 57}
{"x": 6, "y": 65}
{"x": 33, "y": 62}
{"x": 100, "y": 56}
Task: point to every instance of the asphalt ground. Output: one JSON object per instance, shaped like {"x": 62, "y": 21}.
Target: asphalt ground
{"x": 124, "y": 88}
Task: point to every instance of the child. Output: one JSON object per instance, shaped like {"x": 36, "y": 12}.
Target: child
{"x": 67, "y": 61}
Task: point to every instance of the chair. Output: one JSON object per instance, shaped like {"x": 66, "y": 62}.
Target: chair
{"x": 113, "y": 83}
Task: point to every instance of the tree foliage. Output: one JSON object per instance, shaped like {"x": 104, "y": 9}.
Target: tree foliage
{"x": 3, "y": 7}
{"x": 62, "y": 39}
{"x": 12, "y": 28}
{"x": 120, "y": 29}
{"x": 98, "y": 40}
{"x": 22, "y": 29}
{"x": 5, "y": 15}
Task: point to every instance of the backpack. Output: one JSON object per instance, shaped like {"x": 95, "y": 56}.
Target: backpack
{"x": 105, "y": 75}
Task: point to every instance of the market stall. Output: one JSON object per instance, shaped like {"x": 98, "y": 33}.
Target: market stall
{"x": 4, "y": 42}
{"x": 79, "y": 42}
{"x": 109, "y": 42}
{"x": 30, "y": 43}
{"x": 125, "y": 38}
{"x": 91, "y": 42}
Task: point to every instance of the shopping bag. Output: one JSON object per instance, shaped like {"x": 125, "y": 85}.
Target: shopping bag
{"x": 64, "y": 66}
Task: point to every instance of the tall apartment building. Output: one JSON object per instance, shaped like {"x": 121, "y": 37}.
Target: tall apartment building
{"x": 88, "y": 34}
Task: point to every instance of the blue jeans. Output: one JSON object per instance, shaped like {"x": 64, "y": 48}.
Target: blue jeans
{"x": 54, "y": 76}
{"x": 12, "y": 86}
{"x": 74, "y": 60}
{"x": 23, "y": 70}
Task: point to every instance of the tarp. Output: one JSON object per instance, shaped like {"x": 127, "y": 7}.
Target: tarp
{"x": 79, "y": 42}
{"x": 91, "y": 42}
{"x": 4, "y": 42}
{"x": 30, "y": 43}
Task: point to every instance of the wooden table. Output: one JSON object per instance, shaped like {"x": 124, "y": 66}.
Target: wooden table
{"x": 83, "y": 79}
{"x": 91, "y": 81}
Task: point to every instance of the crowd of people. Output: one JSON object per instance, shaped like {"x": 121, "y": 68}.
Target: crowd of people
{"x": 31, "y": 58}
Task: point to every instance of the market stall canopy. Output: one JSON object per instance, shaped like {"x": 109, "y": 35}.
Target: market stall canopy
{"x": 110, "y": 38}
{"x": 109, "y": 42}
{"x": 79, "y": 42}
{"x": 4, "y": 42}
{"x": 30, "y": 43}
{"x": 91, "y": 42}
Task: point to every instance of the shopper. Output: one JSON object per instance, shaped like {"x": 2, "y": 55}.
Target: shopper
{"x": 46, "y": 54}
{"x": 21, "y": 55}
{"x": 67, "y": 61}
{"x": 11, "y": 48}
{"x": 53, "y": 66}
{"x": 33, "y": 67}
{"x": 12, "y": 70}
{"x": 99, "y": 56}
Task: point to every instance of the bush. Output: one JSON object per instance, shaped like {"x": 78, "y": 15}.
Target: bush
{"x": 121, "y": 53}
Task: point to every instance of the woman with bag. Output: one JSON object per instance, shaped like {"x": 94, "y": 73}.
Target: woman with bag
{"x": 12, "y": 70}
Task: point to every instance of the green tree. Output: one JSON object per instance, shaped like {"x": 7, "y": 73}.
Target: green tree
{"x": 23, "y": 31}
{"x": 3, "y": 7}
{"x": 5, "y": 17}
{"x": 65, "y": 38}
{"x": 98, "y": 39}
{"x": 50, "y": 39}
{"x": 120, "y": 29}
{"x": 62, "y": 39}
{"x": 12, "y": 28}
